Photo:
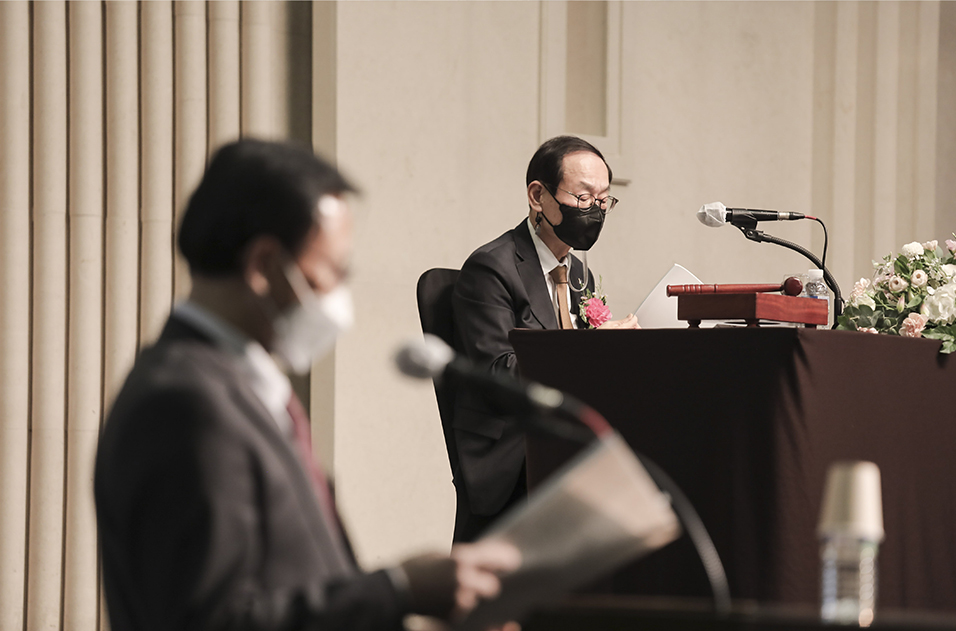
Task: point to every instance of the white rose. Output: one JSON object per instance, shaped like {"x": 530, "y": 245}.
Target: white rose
{"x": 949, "y": 270}
{"x": 941, "y": 306}
{"x": 864, "y": 299}
{"x": 914, "y": 249}
{"x": 897, "y": 284}
{"x": 860, "y": 287}
{"x": 931, "y": 245}
{"x": 919, "y": 278}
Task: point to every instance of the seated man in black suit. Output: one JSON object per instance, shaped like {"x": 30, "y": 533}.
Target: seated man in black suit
{"x": 522, "y": 280}
{"x": 212, "y": 511}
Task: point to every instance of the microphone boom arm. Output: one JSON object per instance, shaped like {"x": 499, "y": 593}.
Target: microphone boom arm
{"x": 758, "y": 236}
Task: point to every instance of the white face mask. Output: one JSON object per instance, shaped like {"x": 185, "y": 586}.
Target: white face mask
{"x": 307, "y": 330}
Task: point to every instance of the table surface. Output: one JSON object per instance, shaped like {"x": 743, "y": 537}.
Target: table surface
{"x": 596, "y": 613}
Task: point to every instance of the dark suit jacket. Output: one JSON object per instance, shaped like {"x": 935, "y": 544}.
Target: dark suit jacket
{"x": 207, "y": 519}
{"x": 501, "y": 287}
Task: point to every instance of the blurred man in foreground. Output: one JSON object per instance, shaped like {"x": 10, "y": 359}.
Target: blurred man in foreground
{"x": 212, "y": 511}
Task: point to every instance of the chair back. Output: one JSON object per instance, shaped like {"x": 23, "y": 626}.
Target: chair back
{"x": 434, "y": 291}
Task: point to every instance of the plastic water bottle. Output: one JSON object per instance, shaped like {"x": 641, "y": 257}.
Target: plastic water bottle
{"x": 817, "y": 288}
{"x": 850, "y": 531}
{"x": 848, "y": 579}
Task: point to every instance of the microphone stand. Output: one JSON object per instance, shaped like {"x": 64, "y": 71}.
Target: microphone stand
{"x": 750, "y": 231}
{"x": 575, "y": 416}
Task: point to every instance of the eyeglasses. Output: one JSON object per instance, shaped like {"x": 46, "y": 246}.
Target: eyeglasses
{"x": 587, "y": 201}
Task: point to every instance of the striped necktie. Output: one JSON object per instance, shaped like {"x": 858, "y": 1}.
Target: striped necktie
{"x": 560, "y": 277}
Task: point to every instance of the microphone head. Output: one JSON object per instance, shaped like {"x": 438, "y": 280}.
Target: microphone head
{"x": 713, "y": 214}
{"x": 425, "y": 358}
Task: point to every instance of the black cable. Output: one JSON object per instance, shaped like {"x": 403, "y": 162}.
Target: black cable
{"x": 697, "y": 532}
{"x": 578, "y": 413}
{"x": 823, "y": 261}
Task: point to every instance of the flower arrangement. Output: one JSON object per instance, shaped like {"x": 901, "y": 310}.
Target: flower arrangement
{"x": 911, "y": 295}
{"x": 593, "y": 308}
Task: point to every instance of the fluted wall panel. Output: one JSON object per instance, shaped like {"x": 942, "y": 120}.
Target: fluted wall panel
{"x": 190, "y": 115}
{"x": 50, "y": 247}
{"x": 886, "y": 134}
{"x": 324, "y": 77}
{"x": 121, "y": 306}
{"x": 223, "y": 72}
{"x": 843, "y": 145}
{"x": 156, "y": 174}
{"x": 257, "y": 68}
{"x": 14, "y": 305}
{"x": 925, "y": 116}
{"x": 85, "y": 347}
{"x": 875, "y": 128}
{"x": 108, "y": 113}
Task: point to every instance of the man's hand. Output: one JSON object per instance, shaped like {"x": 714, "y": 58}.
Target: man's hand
{"x": 630, "y": 322}
{"x": 448, "y": 587}
{"x": 478, "y": 566}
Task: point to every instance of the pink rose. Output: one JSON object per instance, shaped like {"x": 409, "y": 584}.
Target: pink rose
{"x": 868, "y": 329}
{"x": 897, "y": 284}
{"x": 913, "y": 325}
{"x": 930, "y": 246}
{"x": 597, "y": 312}
{"x": 951, "y": 245}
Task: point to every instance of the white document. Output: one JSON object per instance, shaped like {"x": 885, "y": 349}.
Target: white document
{"x": 659, "y": 311}
{"x": 598, "y": 512}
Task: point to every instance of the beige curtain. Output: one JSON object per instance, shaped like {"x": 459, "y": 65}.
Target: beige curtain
{"x": 108, "y": 112}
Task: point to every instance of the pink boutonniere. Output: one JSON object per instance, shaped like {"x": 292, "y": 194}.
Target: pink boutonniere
{"x": 593, "y": 308}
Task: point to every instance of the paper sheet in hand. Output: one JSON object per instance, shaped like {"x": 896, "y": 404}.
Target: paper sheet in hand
{"x": 597, "y": 513}
{"x": 659, "y": 311}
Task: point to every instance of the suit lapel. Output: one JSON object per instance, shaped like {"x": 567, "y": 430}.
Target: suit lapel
{"x": 529, "y": 270}
{"x": 296, "y": 471}
{"x": 259, "y": 416}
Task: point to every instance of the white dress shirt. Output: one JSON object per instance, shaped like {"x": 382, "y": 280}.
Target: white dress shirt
{"x": 548, "y": 262}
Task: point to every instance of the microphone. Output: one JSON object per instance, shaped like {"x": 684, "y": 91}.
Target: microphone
{"x": 432, "y": 358}
{"x": 716, "y": 215}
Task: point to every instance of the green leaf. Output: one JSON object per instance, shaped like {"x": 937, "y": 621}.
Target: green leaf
{"x": 946, "y": 334}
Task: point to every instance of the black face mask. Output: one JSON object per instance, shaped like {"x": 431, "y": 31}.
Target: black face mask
{"x": 579, "y": 228}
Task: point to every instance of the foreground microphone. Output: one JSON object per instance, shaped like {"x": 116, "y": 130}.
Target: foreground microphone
{"x": 431, "y": 358}
{"x": 716, "y": 215}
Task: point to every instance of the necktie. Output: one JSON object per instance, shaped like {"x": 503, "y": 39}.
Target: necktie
{"x": 303, "y": 440}
{"x": 560, "y": 277}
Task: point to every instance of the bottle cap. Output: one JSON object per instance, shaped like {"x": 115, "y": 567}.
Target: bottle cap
{"x": 852, "y": 502}
{"x": 815, "y": 274}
